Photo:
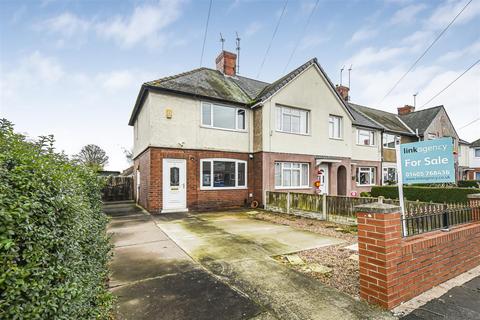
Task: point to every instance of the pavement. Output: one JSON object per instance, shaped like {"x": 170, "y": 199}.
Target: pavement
{"x": 218, "y": 266}
{"x": 460, "y": 302}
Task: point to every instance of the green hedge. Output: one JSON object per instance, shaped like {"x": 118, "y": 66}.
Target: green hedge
{"x": 469, "y": 184}
{"x": 54, "y": 248}
{"x": 437, "y": 195}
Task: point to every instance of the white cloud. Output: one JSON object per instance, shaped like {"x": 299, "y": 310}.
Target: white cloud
{"x": 442, "y": 16}
{"x": 253, "y": 28}
{"x": 145, "y": 25}
{"x": 407, "y": 14}
{"x": 374, "y": 56}
{"x": 67, "y": 25}
{"x": 472, "y": 50}
{"x": 362, "y": 35}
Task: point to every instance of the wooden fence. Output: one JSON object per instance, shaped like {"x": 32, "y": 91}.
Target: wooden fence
{"x": 118, "y": 188}
{"x": 339, "y": 209}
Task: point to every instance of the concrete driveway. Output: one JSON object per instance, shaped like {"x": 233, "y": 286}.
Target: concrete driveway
{"x": 218, "y": 266}
{"x": 238, "y": 249}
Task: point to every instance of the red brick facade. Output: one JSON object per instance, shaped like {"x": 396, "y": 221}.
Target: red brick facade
{"x": 150, "y": 165}
{"x": 395, "y": 269}
{"x": 261, "y": 177}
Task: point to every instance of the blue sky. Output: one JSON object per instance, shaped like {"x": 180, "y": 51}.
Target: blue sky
{"x": 74, "y": 68}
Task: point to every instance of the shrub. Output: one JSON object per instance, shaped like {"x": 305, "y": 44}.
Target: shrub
{"x": 365, "y": 194}
{"x": 469, "y": 184}
{"x": 430, "y": 194}
{"x": 54, "y": 248}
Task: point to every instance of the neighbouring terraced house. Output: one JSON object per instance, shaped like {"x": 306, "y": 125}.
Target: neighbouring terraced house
{"x": 207, "y": 138}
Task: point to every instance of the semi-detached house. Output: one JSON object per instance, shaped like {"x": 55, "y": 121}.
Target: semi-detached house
{"x": 207, "y": 139}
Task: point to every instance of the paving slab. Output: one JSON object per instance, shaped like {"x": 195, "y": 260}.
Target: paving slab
{"x": 189, "y": 295}
{"x": 149, "y": 260}
{"x": 141, "y": 232}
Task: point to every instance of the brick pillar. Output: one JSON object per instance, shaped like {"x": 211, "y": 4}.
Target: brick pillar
{"x": 474, "y": 203}
{"x": 379, "y": 246}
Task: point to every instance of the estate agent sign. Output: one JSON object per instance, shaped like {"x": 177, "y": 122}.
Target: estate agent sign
{"x": 428, "y": 161}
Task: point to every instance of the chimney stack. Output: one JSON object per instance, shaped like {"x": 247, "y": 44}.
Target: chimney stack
{"x": 227, "y": 63}
{"x": 343, "y": 92}
{"x": 406, "y": 109}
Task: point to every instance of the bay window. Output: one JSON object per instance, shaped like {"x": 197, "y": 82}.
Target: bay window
{"x": 223, "y": 117}
{"x": 223, "y": 173}
{"x": 292, "y": 120}
{"x": 366, "y": 176}
{"x": 365, "y": 137}
{"x": 335, "y": 127}
{"x": 390, "y": 140}
{"x": 291, "y": 175}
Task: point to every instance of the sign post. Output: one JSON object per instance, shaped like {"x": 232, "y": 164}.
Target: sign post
{"x": 428, "y": 161}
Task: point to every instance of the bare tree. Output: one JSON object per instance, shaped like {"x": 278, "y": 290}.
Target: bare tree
{"x": 93, "y": 156}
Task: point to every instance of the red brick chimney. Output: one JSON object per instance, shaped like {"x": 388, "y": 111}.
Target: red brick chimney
{"x": 406, "y": 109}
{"x": 227, "y": 63}
{"x": 343, "y": 92}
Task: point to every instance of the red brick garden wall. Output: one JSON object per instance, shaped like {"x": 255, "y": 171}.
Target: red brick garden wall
{"x": 394, "y": 269}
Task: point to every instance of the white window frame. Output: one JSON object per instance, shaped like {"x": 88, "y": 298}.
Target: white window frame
{"x": 331, "y": 121}
{"x": 372, "y": 171}
{"x": 282, "y": 168}
{"x": 211, "y": 161}
{"x": 371, "y": 133}
{"x": 396, "y": 139}
{"x": 211, "y": 126}
{"x": 475, "y": 152}
{"x": 284, "y": 110}
{"x": 477, "y": 176}
{"x": 386, "y": 169}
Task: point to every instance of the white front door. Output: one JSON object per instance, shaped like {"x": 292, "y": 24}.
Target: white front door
{"x": 174, "y": 185}
{"x": 323, "y": 177}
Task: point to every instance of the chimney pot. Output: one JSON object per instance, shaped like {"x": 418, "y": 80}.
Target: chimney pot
{"x": 227, "y": 63}
{"x": 406, "y": 109}
{"x": 343, "y": 92}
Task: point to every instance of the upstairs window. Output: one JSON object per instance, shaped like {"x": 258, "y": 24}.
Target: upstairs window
{"x": 477, "y": 153}
{"x": 292, "y": 120}
{"x": 335, "y": 127}
{"x": 365, "y": 137}
{"x": 390, "y": 140}
{"x": 223, "y": 117}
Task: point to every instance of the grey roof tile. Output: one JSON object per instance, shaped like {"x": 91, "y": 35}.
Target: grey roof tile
{"x": 475, "y": 143}
{"x": 388, "y": 121}
{"x": 421, "y": 119}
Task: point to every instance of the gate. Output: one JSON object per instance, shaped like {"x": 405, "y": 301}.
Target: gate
{"x": 118, "y": 188}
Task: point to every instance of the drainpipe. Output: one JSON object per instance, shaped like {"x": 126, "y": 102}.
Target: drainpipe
{"x": 416, "y": 133}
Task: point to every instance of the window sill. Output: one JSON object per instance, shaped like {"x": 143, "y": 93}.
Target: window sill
{"x": 224, "y": 129}
{"x": 222, "y": 188}
{"x": 366, "y": 185}
{"x": 292, "y": 188}
{"x": 296, "y": 133}
{"x": 339, "y": 139}
{"x": 366, "y": 145}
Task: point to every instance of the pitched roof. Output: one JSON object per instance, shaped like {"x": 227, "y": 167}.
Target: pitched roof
{"x": 206, "y": 83}
{"x": 421, "y": 119}
{"x": 475, "y": 143}
{"x": 211, "y": 83}
{"x": 362, "y": 120}
{"x": 464, "y": 141}
{"x": 386, "y": 120}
